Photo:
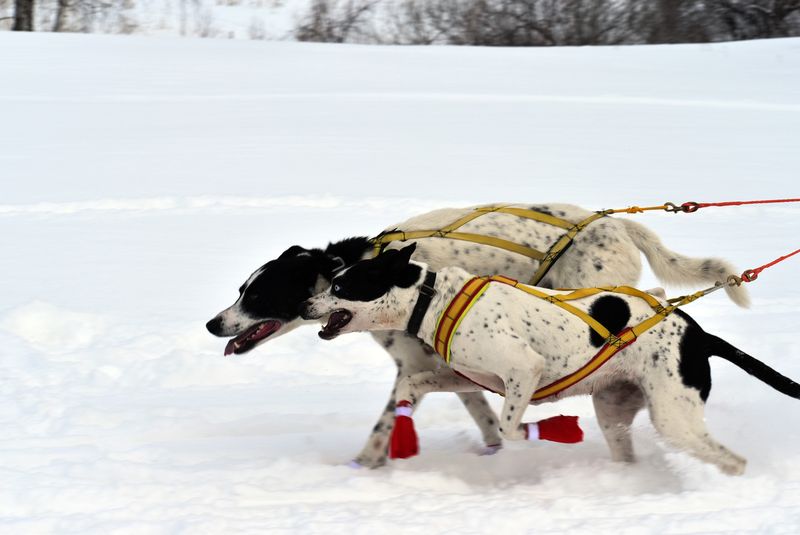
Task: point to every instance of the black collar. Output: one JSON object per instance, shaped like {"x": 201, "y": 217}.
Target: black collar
{"x": 426, "y": 293}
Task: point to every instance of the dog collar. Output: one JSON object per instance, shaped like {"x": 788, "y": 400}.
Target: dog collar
{"x": 426, "y": 293}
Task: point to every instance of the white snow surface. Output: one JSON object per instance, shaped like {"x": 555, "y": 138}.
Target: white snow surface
{"x": 143, "y": 179}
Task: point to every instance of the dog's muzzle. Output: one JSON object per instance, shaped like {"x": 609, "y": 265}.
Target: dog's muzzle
{"x": 306, "y": 311}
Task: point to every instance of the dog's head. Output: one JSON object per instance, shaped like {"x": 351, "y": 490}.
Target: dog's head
{"x": 268, "y": 303}
{"x": 373, "y": 295}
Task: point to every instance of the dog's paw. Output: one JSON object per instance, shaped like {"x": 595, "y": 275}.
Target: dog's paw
{"x": 363, "y": 461}
{"x": 735, "y": 467}
{"x": 490, "y": 450}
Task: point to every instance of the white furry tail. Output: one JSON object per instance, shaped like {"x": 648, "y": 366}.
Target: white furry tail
{"x": 673, "y": 268}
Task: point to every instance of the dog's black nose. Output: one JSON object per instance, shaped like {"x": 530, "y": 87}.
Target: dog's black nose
{"x": 215, "y": 326}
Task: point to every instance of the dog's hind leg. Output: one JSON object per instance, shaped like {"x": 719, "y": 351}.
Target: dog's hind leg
{"x": 616, "y": 406}
{"x": 677, "y": 414}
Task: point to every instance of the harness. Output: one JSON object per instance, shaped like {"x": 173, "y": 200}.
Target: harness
{"x": 459, "y": 307}
{"x": 546, "y": 259}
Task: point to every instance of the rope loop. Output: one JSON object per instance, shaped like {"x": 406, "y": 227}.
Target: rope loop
{"x": 690, "y": 207}
{"x": 750, "y": 275}
{"x": 672, "y": 207}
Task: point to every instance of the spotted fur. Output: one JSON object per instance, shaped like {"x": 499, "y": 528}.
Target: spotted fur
{"x": 513, "y": 343}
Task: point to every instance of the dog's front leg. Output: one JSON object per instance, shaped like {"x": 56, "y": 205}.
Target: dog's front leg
{"x": 409, "y": 392}
{"x": 520, "y": 377}
{"x": 412, "y": 388}
{"x": 411, "y": 356}
{"x": 484, "y": 416}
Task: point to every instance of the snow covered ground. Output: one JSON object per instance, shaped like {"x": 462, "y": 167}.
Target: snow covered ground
{"x": 144, "y": 178}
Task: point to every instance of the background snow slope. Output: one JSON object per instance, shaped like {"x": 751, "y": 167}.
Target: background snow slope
{"x": 144, "y": 179}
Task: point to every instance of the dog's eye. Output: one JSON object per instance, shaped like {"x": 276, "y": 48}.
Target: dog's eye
{"x": 337, "y": 288}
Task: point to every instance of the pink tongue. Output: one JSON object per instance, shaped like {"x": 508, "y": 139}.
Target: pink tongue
{"x": 266, "y": 329}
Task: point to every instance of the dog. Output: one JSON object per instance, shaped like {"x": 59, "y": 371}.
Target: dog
{"x": 513, "y": 343}
{"x": 606, "y": 252}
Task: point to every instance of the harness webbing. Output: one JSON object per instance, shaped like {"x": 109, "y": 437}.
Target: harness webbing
{"x": 455, "y": 311}
{"x": 546, "y": 259}
{"x": 560, "y": 247}
{"x": 459, "y": 306}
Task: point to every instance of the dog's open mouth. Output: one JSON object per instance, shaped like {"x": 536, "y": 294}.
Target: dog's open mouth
{"x": 336, "y": 322}
{"x": 248, "y": 339}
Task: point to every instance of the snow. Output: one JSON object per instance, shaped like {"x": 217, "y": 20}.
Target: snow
{"x": 143, "y": 179}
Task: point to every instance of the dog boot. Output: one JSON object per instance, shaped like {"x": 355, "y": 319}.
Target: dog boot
{"x": 404, "y": 441}
{"x": 564, "y": 429}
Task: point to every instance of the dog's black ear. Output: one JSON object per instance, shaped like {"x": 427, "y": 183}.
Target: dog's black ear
{"x": 294, "y": 250}
{"x": 406, "y": 274}
{"x": 404, "y": 254}
{"x": 326, "y": 264}
{"x": 395, "y": 259}
{"x": 350, "y": 250}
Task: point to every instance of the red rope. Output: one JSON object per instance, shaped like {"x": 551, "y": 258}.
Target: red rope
{"x": 690, "y": 207}
{"x": 752, "y": 274}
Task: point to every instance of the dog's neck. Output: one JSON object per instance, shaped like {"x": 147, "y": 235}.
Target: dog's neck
{"x": 448, "y": 282}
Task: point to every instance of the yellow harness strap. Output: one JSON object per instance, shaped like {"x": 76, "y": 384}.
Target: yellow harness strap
{"x": 563, "y": 243}
{"x": 546, "y": 260}
{"x": 452, "y": 315}
{"x": 459, "y": 306}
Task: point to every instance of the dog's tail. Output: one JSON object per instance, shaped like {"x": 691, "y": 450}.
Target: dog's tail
{"x": 674, "y": 268}
{"x": 720, "y": 348}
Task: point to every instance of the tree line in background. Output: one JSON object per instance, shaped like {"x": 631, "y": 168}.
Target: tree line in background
{"x": 547, "y": 22}
{"x": 72, "y": 15}
{"x": 460, "y": 22}
{"x": 194, "y": 17}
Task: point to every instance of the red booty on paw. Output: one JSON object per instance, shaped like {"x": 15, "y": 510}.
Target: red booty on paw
{"x": 404, "y": 442}
{"x": 560, "y": 428}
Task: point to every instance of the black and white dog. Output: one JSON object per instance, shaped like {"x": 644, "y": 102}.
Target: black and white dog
{"x": 605, "y": 253}
{"x": 511, "y": 342}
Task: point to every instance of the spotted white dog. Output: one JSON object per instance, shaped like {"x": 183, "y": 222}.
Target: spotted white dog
{"x": 513, "y": 343}
{"x": 607, "y": 252}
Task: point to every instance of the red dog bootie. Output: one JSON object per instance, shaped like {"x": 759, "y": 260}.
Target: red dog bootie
{"x": 564, "y": 429}
{"x": 404, "y": 443}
